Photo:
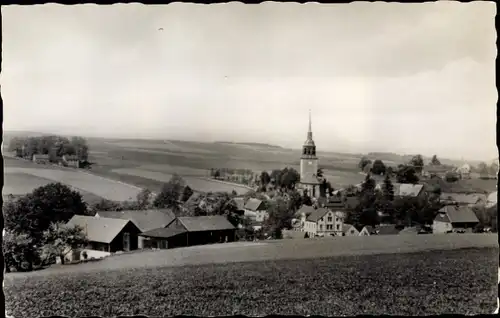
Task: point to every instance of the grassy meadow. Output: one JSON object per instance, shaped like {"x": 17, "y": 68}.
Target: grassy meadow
{"x": 290, "y": 277}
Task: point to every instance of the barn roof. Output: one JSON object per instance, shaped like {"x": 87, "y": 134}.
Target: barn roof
{"x": 254, "y": 204}
{"x": 459, "y": 214}
{"x": 346, "y": 227}
{"x": 162, "y": 232}
{"x": 317, "y": 214}
{"x": 306, "y": 209}
{"x": 145, "y": 220}
{"x": 102, "y": 230}
{"x": 407, "y": 189}
{"x": 206, "y": 223}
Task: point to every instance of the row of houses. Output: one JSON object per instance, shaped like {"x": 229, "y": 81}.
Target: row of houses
{"x": 110, "y": 232}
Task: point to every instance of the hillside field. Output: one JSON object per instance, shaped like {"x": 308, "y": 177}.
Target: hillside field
{"x": 21, "y": 177}
{"x": 345, "y": 276}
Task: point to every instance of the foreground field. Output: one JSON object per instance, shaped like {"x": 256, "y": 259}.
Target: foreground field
{"x": 424, "y": 283}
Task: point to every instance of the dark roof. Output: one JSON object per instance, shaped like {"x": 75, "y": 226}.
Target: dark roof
{"x": 163, "y": 232}
{"x": 459, "y": 214}
{"x": 240, "y": 203}
{"x": 102, "y": 230}
{"x": 254, "y": 204}
{"x": 306, "y": 209}
{"x": 346, "y": 227}
{"x": 388, "y": 230}
{"x": 407, "y": 189}
{"x": 317, "y": 214}
{"x": 206, "y": 223}
{"x": 145, "y": 220}
{"x": 335, "y": 202}
{"x": 369, "y": 228}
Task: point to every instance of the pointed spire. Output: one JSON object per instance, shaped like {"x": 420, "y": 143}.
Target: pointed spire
{"x": 309, "y": 132}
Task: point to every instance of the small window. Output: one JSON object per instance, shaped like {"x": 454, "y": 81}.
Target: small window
{"x": 338, "y": 226}
{"x": 321, "y": 227}
{"x": 329, "y": 219}
{"x": 352, "y": 231}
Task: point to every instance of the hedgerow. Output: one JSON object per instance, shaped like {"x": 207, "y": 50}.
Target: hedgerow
{"x": 425, "y": 283}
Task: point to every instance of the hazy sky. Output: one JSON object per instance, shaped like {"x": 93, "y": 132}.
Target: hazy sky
{"x": 408, "y": 78}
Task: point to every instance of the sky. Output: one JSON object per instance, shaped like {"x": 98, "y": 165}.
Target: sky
{"x": 404, "y": 78}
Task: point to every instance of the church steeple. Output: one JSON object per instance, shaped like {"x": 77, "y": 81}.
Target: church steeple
{"x": 309, "y": 148}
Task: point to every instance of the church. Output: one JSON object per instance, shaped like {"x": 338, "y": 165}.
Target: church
{"x": 309, "y": 166}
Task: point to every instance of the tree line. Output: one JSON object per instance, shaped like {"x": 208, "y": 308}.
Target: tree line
{"x": 53, "y": 146}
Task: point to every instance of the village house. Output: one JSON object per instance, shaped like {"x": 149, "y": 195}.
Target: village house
{"x": 349, "y": 230}
{"x": 189, "y": 231}
{"x": 435, "y": 171}
{"x": 323, "y": 222}
{"x": 71, "y": 161}
{"x": 454, "y": 218}
{"x": 256, "y": 209}
{"x": 105, "y": 236}
{"x": 43, "y": 159}
{"x": 145, "y": 220}
{"x": 367, "y": 231}
{"x": 463, "y": 199}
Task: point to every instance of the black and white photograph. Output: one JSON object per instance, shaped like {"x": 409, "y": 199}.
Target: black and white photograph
{"x": 250, "y": 159}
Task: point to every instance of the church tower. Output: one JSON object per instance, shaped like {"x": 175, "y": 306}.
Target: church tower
{"x": 309, "y": 165}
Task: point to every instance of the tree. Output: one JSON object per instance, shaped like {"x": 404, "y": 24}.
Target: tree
{"x": 289, "y": 178}
{"x": 452, "y": 176}
{"x": 264, "y": 178}
{"x": 276, "y": 177}
{"x": 33, "y": 213}
{"x": 80, "y": 147}
{"x": 19, "y": 251}
{"x": 170, "y": 194}
{"x": 60, "y": 240}
{"x": 435, "y": 161}
{"x": 388, "y": 189}
{"x": 363, "y": 162}
{"x": 187, "y": 193}
{"x": 280, "y": 217}
{"x": 143, "y": 199}
{"x": 106, "y": 205}
{"x": 378, "y": 167}
{"x": 418, "y": 163}
{"x": 407, "y": 174}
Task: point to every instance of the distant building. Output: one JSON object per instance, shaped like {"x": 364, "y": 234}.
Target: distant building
{"x": 453, "y": 217}
{"x": 256, "y": 209}
{"x": 323, "y": 222}
{"x": 435, "y": 171}
{"x": 367, "y": 231}
{"x": 43, "y": 159}
{"x": 105, "y": 236}
{"x": 463, "y": 199}
{"x": 189, "y": 231}
{"x": 145, "y": 220}
{"x": 71, "y": 161}
{"x": 349, "y": 230}
{"x": 309, "y": 166}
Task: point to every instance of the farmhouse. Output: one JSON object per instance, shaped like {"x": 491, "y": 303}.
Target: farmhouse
{"x": 435, "y": 171}
{"x": 189, "y": 231}
{"x": 43, "y": 159}
{"x": 349, "y": 230}
{"x": 323, "y": 222}
{"x": 71, "y": 161}
{"x": 408, "y": 190}
{"x": 145, "y": 220}
{"x": 256, "y": 209}
{"x": 105, "y": 235}
{"x": 463, "y": 199}
{"x": 454, "y": 217}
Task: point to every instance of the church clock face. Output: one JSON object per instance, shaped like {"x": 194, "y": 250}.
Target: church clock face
{"x": 310, "y": 162}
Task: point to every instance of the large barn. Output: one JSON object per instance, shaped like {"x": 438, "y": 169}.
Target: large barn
{"x": 189, "y": 231}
